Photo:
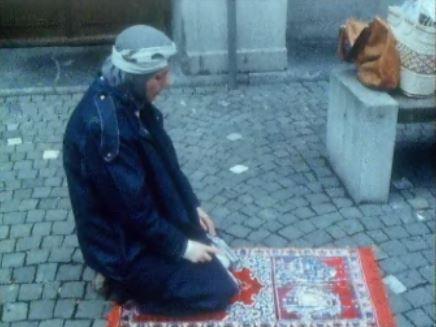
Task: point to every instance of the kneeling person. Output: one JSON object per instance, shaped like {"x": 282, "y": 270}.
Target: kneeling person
{"x": 138, "y": 220}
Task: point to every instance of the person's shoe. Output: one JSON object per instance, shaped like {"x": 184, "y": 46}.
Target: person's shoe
{"x": 109, "y": 289}
{"x": 100, "y": 284}
{"x": 117, "y": 293}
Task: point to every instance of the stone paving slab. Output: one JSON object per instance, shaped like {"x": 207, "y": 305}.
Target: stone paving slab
{"x": 281, "y": 193}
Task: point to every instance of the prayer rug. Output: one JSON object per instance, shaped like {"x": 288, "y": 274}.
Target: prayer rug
{"x": 292, "y": 288}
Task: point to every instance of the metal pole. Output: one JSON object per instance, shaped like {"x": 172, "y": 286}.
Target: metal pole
{"x": 232, "y": 37}
{"x": 176, "y": 21}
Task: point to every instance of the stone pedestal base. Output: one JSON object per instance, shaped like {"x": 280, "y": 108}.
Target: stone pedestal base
{"x": 361, "y": 129}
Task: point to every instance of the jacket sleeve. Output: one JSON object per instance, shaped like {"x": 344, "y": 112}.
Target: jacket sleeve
{"x": 122, "y": 186}
{"x": 188, "y": 188}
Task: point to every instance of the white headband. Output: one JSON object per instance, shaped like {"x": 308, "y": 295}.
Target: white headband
{"x": 141, "y": 61}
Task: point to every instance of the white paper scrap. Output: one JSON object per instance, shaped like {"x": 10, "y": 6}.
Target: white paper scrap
{"x": 15, "y": 141}
{"x": 394, "y": 284}
{"x": 50, "y": 154}
{"x": 234, "y": 136}
{"x": 238, "y": 169}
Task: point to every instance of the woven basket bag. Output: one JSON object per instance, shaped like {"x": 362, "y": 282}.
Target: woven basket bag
{"x": 416, "y": 44}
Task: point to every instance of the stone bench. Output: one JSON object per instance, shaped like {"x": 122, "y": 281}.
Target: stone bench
{"x": 361, "y": 130}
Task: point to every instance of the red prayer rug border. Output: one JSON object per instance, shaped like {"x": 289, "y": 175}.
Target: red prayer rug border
{"x": 370, "y": 271}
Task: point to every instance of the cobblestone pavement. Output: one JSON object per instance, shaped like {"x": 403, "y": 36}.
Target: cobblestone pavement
{"x": 256, "y": 157}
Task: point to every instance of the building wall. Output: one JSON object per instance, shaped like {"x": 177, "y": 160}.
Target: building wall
{"x": 310, "y": 20}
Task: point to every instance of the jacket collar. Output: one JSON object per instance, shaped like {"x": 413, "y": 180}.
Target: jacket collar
{"x": 136, "y": 110}
{"x": 125, "y": 96}
{"x": 120, "y": 93}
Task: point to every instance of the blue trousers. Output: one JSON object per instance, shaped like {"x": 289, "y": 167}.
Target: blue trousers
{"x": 180, "y": 288}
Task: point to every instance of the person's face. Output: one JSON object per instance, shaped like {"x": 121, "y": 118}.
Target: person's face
{"x": 157, "y": 84}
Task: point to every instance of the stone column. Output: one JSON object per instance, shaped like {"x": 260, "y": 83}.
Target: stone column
{"x": 261, "y": 35}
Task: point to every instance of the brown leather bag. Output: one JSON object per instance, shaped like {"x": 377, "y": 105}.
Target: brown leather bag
{"x": 374, "y": 51}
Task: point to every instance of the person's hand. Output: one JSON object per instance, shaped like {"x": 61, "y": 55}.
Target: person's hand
{"x": 197, "y": 252}
{"x": 206, "y": 222}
